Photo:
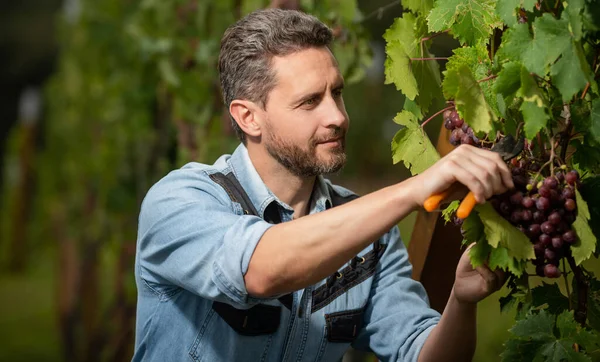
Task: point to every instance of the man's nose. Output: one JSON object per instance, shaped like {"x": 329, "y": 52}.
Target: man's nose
{"x": 336, "y": 114}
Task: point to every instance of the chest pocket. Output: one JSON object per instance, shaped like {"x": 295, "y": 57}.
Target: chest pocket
{"x": 258, "y": 320}
{"x": 343, "y": 327}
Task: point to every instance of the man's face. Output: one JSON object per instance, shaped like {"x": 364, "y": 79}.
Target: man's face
{"x": 306, "y": 121}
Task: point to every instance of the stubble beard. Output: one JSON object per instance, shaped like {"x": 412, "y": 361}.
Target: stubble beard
{"x": 305, "y": 162}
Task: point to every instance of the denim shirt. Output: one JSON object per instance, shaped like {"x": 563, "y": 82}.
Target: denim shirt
{"x": 193, "y": 248}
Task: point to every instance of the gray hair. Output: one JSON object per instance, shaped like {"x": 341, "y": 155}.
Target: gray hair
{"x": 248, "y": 46}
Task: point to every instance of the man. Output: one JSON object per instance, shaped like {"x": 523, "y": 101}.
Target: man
{"x": 301, "y": 280}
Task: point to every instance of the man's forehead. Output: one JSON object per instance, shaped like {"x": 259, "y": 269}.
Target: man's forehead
{"x": 306, "y": 68}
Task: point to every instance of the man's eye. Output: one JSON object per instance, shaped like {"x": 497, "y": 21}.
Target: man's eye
{"x": 337, "y": 93}
{"x": 310, "y": 102}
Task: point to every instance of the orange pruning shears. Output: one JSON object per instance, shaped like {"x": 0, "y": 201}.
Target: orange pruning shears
{"x": 507, "y": 147}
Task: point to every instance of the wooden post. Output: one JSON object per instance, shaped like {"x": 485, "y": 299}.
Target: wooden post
{"x": 435, "y": 248}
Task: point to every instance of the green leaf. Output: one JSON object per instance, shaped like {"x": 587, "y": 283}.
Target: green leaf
{"x": 418, "y": 6}
{"x": 594, "y": 305}
{"x": 476, "y": 58}
{"x": 515, "y": 42}
{"x": 537, "y": 327}
{"x": 562, "y": 350}
{"x": 412, "y": 146}
{"x": 595, "y": 120}
{"x": 509, "y": 79}
{"x": 517, "y": 350}
{"x": 572, "y": 14}
{"x": 473, "y": 228}
{"x": 469, "y": 98}
{"x": 551, "y": 38}
{"x": 570, "y": 73}
{"x": 479, "y": 253}
{"x": 535, "y": 119}
{"x": 500, "y": 259}
{"x": 586, "y": 241}
{"x": 450, "y": 210}
{"x": 551, "y": 295}
{"x": 413, "y": 107}
{"x": 470, "y": 21}
{"x": 417, "y": 78}
{"x": 500, "y": 232}
{"x": 508, "y": 9}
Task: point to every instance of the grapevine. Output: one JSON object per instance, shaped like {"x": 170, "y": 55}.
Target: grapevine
{"x": 527, "y": 70}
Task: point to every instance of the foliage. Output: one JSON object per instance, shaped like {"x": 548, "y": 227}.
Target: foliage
{"x": 522, "y": 67}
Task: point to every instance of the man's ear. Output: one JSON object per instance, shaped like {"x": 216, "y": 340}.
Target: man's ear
{"x": 247, "y": 114}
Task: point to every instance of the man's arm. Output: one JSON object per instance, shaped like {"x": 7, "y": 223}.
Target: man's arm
{"x": 292, "y": 255}
{"x": 454, "y": 338}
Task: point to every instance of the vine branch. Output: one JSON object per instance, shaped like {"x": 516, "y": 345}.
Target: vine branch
{"x": 566, "y": 134}
{"x": 434, "y": 115}
{"x": 582, "y": 291}
{"x": 379, "y": 11}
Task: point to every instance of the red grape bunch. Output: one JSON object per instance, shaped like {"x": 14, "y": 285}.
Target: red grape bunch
{"x": 461, "y": 132}
{"x": 544, "y": 210}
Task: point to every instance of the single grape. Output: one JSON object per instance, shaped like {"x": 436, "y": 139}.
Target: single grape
{"x": 542, "y": 203}
{"x": 538, "y": 217}
{"x": 560, "y": 177}
{"x": 545, "y": 239}
{"x": 539, "y": 270}
{"x": 457, "y": 220}
{"x": 467, "y": 140}
{"x": 571, "y": 177}
{"x": 527, "y": 202}
{"x": 557, "y": 242}
{"x": 570, "y": 204}
{"x": 569, "y": 236}
{"x": 554, "y": 218}
{"x": 549, "y": 254}
{"x": 543, "y": 190}
{"x": 539, "y": 250}
{"x": 455, "y": 137}
{"x": 516, "y": 198}
{"x": 551, "y": 271}
{"x": 447, "y": 113}
{"x": 448, "y": 124}
{"x": 518, "y": 171}
{"x": 547, "y": 227}
{"x": 550, "y": 182}
{"x": 534, "y": 230}
{"x": 465, "y": 127}
{"x": 520, "y": 182}
{"x": 568, "y": 192}
{"x": 554, "y": 196}
{"x": 515, "y": 217}
{"x": 562, "y": 227}
{"x": 526, "y": 215}
{"x": 457, "y": 122}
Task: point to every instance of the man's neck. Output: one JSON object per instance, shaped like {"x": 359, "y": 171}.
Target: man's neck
{"x": 293, "y": 190}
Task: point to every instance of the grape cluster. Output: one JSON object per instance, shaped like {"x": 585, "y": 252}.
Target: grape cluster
{"x": 545, "y": 211}
{"x": 461, "y": 132}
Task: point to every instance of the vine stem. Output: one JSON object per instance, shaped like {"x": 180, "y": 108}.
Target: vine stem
{"x": 423, "y": 40}
{"x": 430, "y": 58}
{"x": 379, "y": 11}
{"x": 567, "y": 284}
{"x": 566, "y": 134}
{"x": 582, "y": 291}
{"x": 435, "y": 114}
{"x": 488, "y": 78}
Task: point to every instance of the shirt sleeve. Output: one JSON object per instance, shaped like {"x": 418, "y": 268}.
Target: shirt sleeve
{"x": 190, "y": 237}
{"x": 398, "y": 318}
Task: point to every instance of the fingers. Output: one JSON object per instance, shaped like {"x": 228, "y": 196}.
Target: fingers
{"x": 483, "y": 172}
{"x": 493, "y": 280}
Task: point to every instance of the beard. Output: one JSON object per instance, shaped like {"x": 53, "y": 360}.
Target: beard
{"x": 305, "y": 162}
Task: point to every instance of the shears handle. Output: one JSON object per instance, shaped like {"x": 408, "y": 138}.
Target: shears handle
{"x": 464, "y": 209}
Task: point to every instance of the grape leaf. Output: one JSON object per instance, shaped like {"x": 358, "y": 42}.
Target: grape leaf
{"x": 499, "y": 259}
{"x": 412, "y": 107}
{"x": 515, "y": 42}
{"x": 499, "y": 232}
{"x": 472, "y": 228}
{"x": 418, "y": 6}
{"x": 551, "y": 295}
{"x": 586, "y": 241}
{"x": 517, "y": 350}
{"x": 507, "y": 9}
{"x": 476, "y": 58}
{"x": 595, "y": 120}
{"x": 413, "y": 78}
{"x": 509, "y": 79}
{"x": 450, "y": 210}
{"x": 478, "y": 254}
{"x": 469, "y": 98}
{"x": 551, "y": 38}
{"x": 470, "y": 21}
{"x": 593, "y": 312}
{"x": 398, "y": 70}
{"x": 571, "y": 72}
{"x": 572, "y": 13}
{"x": 411, "y": 145}
{"x": 537, "y": 327}
{"x": 535, "y": 115}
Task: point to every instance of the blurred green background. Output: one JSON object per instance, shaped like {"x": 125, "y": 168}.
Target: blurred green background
{"x": 99, "y": 100}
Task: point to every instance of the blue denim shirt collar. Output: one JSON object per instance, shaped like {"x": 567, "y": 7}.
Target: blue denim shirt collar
{"x": 259, "y": 193}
